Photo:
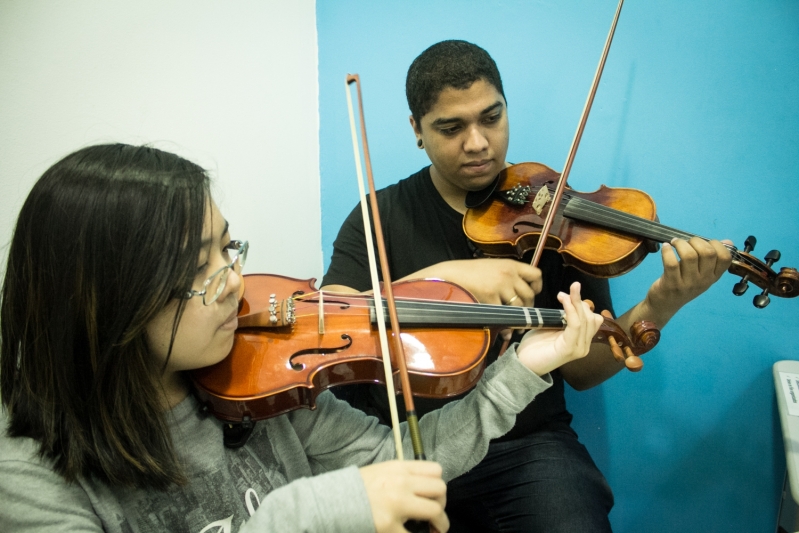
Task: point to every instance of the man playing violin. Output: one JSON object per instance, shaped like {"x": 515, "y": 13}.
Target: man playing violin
{"x": 538, "y": 477}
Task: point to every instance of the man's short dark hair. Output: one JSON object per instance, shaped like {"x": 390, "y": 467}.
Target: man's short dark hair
{"x": 452, "y": 63}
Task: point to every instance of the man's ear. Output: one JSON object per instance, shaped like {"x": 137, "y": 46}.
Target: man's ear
{"x": 416, "y": 130}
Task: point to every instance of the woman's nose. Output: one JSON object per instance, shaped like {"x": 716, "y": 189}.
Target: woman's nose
{"x": 234, "y": 285}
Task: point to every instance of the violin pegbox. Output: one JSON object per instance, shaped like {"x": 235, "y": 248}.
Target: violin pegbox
{"x": 742, "y": 286}
{"x": 785, "y": 284}
{"x": 627, "y": 349}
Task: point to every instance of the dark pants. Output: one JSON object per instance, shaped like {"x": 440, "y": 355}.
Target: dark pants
{"x": 543, "y": 482}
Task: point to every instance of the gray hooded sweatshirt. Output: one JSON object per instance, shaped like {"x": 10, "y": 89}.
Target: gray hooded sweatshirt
{"x": 297, "y": 472}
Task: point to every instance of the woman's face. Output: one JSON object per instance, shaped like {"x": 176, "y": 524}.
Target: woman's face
{"x": 205, "y": 332}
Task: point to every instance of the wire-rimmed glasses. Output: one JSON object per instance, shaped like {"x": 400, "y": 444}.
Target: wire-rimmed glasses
{"x": 216, "y": 282}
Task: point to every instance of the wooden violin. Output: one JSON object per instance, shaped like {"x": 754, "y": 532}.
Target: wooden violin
{"x": 605, "y": 233}
{"x": 294, "y": 342}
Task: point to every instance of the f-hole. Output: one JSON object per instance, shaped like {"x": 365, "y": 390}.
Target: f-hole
{"x": 344, "y": 305}
{"x": 526, "y": 225}
{"x": 319, "y": 351}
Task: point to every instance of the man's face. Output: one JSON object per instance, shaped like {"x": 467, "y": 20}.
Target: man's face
{"x": 465, "y": 135}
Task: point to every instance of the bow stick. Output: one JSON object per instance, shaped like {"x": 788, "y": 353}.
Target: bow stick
{"x": 539, "y": 248}
{"x": 399, "y": 352}
{"x": 632, "y": 362}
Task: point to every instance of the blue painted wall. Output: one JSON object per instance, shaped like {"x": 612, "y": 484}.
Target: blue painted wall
{"x": 698, "y": 106}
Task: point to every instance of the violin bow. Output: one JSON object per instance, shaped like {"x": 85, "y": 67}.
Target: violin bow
{"x": 539, "y": 248}
{"x": 621, "y": 354}
{"x": 399, "y": 351}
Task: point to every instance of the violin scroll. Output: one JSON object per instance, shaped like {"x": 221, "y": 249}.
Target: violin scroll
{"x": 644, "y": 336}
{"x": 785, "y": 284}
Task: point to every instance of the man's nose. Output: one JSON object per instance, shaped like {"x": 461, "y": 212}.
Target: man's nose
{"x": 475, "y": 141}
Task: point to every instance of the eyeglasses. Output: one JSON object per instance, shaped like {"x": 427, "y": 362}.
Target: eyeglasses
{"x": 216, "y": 282}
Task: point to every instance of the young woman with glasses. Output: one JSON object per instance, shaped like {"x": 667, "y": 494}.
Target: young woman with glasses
{"x": 121, "y": 275}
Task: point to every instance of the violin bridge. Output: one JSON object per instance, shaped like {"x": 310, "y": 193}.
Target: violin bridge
{"x": 541, "y": 199}
{"x": 321, "y": 313}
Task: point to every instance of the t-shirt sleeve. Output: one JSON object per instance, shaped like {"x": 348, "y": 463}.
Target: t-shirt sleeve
{"x": 349, "y": 265}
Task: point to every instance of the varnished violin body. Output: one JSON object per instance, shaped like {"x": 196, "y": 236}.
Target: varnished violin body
{"x": 273, "y": 370}
{"x": 284, "y": 354}
{"x": 506, "y": 227}
{"x": 604, "y": 233}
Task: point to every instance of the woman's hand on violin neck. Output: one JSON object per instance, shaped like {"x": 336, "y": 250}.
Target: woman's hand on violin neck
{"x": 400, "y": 491}
{"x": 699, "y": 265}
{"x": 543, "y": 351}
{"x": 490, "y": 280}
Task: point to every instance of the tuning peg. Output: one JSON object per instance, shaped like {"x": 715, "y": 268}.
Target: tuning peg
{"x": 762, "y": 300}
{"x": 739, "y": 288}
{"x": 750, "y": 243}
{"x": 622, "y": 353}
{"x": 772, "y": 256}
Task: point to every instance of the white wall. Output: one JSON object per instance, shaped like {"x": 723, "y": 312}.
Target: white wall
{"x": 230, "y": 85}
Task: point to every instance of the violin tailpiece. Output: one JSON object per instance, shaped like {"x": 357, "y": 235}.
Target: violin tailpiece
{"x": 517, "y": 196}
{"x": 277, "y": 315}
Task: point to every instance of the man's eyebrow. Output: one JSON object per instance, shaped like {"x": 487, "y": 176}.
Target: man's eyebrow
{"x": 493, "y": 107}
{"x": 207, "y": 242}
{"x": 444, "y": 121}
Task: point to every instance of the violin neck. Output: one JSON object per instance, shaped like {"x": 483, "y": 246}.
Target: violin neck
{"x": 454, "y": 314}
{"x": 607, "y": 217}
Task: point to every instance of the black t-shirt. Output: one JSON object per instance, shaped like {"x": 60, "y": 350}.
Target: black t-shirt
{"x": 420, "y": 229}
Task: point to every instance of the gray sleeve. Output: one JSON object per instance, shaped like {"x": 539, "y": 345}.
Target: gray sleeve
{"x": 36, "y": 499}
{"x": 456, "y": 436}
{"x": 335, "y": 502}
{"x": 335, "y": 439}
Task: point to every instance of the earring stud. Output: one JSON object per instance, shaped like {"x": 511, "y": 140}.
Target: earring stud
{"x": 419, "y": 143}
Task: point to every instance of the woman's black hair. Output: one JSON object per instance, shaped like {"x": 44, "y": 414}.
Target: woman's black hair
{"x": 107, "y": 237}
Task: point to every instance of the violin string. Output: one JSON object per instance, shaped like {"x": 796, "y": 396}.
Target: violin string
{"x": 663, "y": 233}
{"x": 428, "y": 309}
{"x": 633, "y": 222}
{"x": 615, "y": 214}
{"x": 463, "y": 310}
{"x": 439, "y": 305}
